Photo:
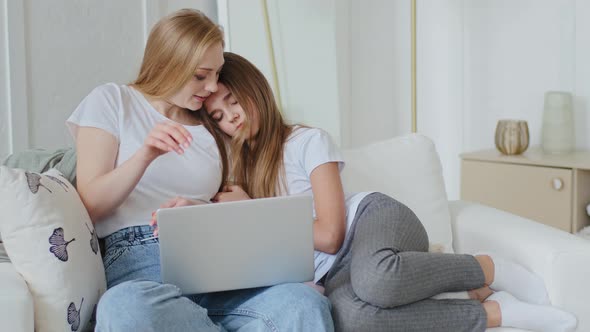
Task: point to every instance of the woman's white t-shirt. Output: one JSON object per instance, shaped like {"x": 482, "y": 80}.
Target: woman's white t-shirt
{"x": 306, "y": 149}
{"x": 125, "y": 113}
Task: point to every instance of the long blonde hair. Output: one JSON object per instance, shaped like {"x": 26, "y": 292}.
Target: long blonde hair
{"x": 174, "y": 49}
{"x": 257, "y": 162}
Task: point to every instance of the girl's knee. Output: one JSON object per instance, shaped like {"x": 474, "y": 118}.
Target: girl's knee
{"x": 400, "y": 219}
{"x": 382, "y": 201}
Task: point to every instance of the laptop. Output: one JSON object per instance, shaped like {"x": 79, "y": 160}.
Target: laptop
{"x": 234, "y": 245}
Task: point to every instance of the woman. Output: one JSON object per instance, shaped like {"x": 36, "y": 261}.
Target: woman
{"x": 141, "y": 144}
{"x": 371, "y": 251}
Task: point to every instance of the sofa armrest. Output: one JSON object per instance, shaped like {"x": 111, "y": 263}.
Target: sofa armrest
{"x": 560, "y": 258}
{"x": 16, "y": 302}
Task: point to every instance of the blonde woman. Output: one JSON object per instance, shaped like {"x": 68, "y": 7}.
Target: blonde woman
{"x": 371, "y": 251}
{"x": 141, "y": 144}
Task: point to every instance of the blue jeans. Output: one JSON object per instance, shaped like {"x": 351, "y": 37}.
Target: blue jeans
{"x": 136, "y": 300}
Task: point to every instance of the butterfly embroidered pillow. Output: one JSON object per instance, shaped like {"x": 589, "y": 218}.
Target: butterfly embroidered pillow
{"x": 52, "y": 243}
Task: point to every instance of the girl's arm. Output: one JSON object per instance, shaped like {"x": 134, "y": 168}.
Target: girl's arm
{"x": 101, "y": 186}
{"x": 329, "y": 228}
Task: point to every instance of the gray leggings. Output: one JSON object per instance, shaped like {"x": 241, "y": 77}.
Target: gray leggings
{"x": 384, "y": 276}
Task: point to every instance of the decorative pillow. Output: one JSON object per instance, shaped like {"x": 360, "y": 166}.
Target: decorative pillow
{"x": 408, "y": 169}
{"x": 52, "y": 243}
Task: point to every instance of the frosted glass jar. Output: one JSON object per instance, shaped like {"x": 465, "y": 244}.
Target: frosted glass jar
{"x": 558, "y": 123}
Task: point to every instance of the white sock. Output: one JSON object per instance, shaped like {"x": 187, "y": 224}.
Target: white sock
{"x": 464, "y": 295}
{"x": 542, "y": 318}
{"x": 518, "y": 281}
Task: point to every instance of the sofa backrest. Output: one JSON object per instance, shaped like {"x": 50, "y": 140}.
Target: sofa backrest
{"x": 408, "y": 169}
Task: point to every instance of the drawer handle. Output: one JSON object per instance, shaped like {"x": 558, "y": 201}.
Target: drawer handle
{"x": 557, "y": 184}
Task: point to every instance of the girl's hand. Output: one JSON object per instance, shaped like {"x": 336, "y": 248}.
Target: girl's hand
{"x": 230, "y": 194}
{"x": 166, "y": 136}
{"x": 175, "y": 202}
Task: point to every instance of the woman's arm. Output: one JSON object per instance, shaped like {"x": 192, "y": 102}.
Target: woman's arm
{"x": 329, "y": 228}
{"x": 101, "y": 186}
{"x": 231, "y": 193}
{"x": 174, "y": 202}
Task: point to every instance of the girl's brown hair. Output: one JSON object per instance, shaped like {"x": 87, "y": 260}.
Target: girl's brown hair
{"x": 257, "y": 162}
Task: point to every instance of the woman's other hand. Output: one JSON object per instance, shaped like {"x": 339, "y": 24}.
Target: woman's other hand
{"x": 166, "y": 136}
{"x": 174, "y": 202}
{"x": 230, "y": 194}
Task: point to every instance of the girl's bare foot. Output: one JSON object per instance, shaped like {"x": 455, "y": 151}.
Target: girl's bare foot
{"x": 487, "y": 266}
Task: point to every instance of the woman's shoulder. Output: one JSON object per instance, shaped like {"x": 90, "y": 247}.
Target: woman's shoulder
{"x": 110, "y": 88}
{"x": 108, "y": 92}
{"x": 305, "y": 139}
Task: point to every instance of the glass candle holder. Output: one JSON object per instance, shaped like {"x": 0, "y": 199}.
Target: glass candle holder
{"x": 512, "y": 136}
{"x": 558, "y": 123}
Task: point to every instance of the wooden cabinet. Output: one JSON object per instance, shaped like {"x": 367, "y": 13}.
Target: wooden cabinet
{"x": 551, "y": 189}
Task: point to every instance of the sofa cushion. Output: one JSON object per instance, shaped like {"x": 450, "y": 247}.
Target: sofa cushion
{"x": 52, "y": 243}
{"x": 16, "y": 302}
{"x": 408, "y": 169}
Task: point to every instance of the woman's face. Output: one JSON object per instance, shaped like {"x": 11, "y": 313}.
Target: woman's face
{"x": 229, "y": 115}
{"x": 203, "y": 83}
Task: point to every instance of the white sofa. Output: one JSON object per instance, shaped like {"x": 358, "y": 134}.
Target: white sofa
{"x": 409, "y": 169}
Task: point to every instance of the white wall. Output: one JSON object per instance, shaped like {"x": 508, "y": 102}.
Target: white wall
{"x": 70, "y": 49}
{"x": 485, "y": 60}
{"x": 582, "y": 73}
{"x": 478, "y": 61}
{"x": 247, "y": 36}
{"x": 52, "y": 53}
{"x": 343, "y": 64}
{"x": 440, "y": 82}
{"x": 308, "y": 63}
{"x": 305, "y": 50}
{"x": 514, "y": 52}
{"x": 379, "y": 69}
{"x": 4, "y": 93}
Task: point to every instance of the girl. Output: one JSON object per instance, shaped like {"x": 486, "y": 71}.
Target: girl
{"x": 142, "y": 143}
{"x": 371, "y": 251}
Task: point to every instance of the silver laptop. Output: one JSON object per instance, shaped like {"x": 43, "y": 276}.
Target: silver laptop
{"x": 224, "y": 246}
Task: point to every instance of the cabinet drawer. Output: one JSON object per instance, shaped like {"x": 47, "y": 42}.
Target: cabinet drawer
{"x": 524, "y": 190}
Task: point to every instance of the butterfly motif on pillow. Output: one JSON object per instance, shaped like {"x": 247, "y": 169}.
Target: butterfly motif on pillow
{"x": 74, "y": 316}
{"x": 34, "y": 182}
{"x": 93, "y": 240}
{"x": 58, "y": 181}
{"x": 59, "y": 245}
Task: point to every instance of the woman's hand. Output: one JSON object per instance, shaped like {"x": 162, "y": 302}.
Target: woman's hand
{"x": 166, "y": 136}
{"x": 174, "y": 202}
{"x": 230, "y": 194}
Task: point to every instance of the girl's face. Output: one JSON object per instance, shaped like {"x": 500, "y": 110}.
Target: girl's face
{"x": 203, "y": 83}
{"x": 229, "y": 115}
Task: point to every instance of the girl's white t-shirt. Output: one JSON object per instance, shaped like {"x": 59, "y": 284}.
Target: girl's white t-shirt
{"x": 124, "y": 112}
{"x": 306, "y": 149}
